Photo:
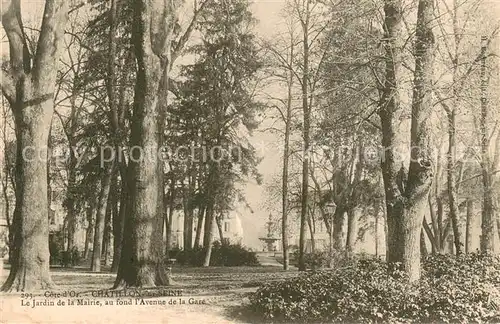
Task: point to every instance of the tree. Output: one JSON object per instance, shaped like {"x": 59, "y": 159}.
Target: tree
{"x": 29, "y": 86}
{"x": 141, "y": 262}
{"x": 406, "y": 195}
{"x": 216, "y": 104}
{"x": 488, "y": 225}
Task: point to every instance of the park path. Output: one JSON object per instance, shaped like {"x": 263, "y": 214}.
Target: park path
{"x": 268, "y": 260}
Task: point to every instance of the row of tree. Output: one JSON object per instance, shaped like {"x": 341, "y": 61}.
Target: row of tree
{"x": 355, "y": 85}
{"x": 109, "y": 83}
{"x": 394, "y": 102}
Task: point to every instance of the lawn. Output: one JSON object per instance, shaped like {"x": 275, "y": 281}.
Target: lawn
{"x": 223, "y": 291}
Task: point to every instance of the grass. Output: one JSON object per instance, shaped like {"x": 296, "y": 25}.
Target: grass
{"x": 210, "y": 280}
{"x": 225, "y": 288}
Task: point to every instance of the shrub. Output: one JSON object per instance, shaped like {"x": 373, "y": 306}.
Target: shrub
{"x": 320, "y": 259}
{"x": 225, "y": 254}
{"x": 58, "y": 256}
{"x": 56, "y": 247}
{"x": 232, "y": 255}
{"x": 366, "y": 291}
{"x": 461, "y": 289}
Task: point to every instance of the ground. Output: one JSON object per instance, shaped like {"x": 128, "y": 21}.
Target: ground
{"x": 222, "y": 290}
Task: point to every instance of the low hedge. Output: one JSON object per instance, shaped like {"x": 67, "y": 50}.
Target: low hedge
{"x": 225, "y": 254}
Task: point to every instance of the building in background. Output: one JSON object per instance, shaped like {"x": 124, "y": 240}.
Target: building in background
{"x": 230, "y": 227}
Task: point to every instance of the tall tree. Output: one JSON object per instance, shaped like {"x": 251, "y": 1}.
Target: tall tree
{"x": 29, "y": 86}
{"x": 141, "y": 262}
{"x": 407, "y": 191}
{"x": 488, "y": 224}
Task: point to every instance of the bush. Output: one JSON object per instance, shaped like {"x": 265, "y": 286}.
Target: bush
{"x": 225, "y": 254}
{"x": 58, "y": 256}
{"x": 461, "y": 289}
{"x": 320, "y": 259}
{"x": 366, "y": 291}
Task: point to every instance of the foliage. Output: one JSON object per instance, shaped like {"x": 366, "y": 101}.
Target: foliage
{"x": 58, "y": 255}
{"x": 320, "y": 259}
{"x": 366, "y": 291}
{"x": 228, "y": 255}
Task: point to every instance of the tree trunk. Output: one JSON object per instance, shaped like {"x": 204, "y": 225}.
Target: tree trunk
{"x": 119, "y": 218}
{"x": 199, "y": 225}
{"x": 5, "y": 185}
{"x": 420, "y": 171}
{"x": 106, "y": 238}
{"x": 305, "y": 138}
{"x": 208, "y": 244}
{"x": 452, "y": 192}
{"x": 311, "y": 233}
{"x": 89, "y": 230}
{"x": 142, "y": 259}
{"x": 406, "y": 200}
{"x": 389, "y": 106}
{"x": 30, "y": 91}
{"x": 469, "y": 225}
{"x": 70, "y": 202}
{"x": 451, "y": 157}
{"x": 377, "y": 225}
{"x": 338, "y": 229}
{"x": 487, "y": 216}
{"x": 169, "y": 217}
{"x": 423, "y": 246}
{"x": 188, "y": 214}
{"x": 352, "y": 230}
{"x": 286, "y": 159}
{"x": 218, "y": 220}
{"x": 100, "y": 222}
{"x": 207, "y": 231}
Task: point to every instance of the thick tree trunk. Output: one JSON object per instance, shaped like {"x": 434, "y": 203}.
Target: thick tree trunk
{"x": 30, "y": 91}
{"x": 30, "y": 266}
{"x": 406, "y": 200}
{"x": 100, "y": 222}
{"x": 420, "y": 173}
{"x": 142, "y": 259}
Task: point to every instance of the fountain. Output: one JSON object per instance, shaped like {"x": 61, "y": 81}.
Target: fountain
{"x": 270, "y": 239}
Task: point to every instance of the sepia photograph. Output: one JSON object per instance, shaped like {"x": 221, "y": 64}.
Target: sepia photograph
{"x": 250, "y": 161}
